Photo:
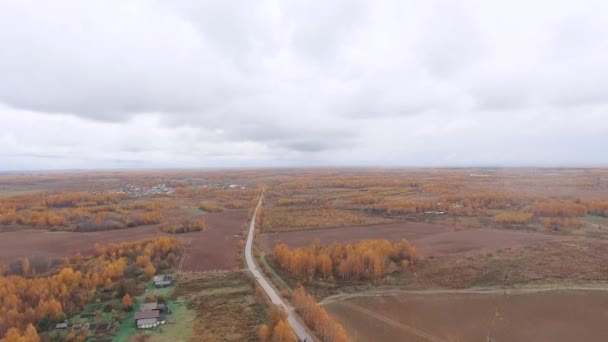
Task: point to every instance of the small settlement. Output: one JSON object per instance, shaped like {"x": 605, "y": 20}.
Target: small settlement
{"x": 153, "y": 314}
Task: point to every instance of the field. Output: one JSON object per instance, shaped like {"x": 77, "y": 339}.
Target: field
{"x": 471, "y": 233}
{"x": 225, "y": 303}
{"x": 431, "y": 239}
{"x": 215, "y": 248}
{"x": 545, "y": 316}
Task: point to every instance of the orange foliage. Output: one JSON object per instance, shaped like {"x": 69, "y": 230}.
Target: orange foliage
{"x": 282, "y": 332}
{"x": 560, "y": 209}
{"x": 513, "y": 217}
{"x": 367, "y": 259}
{"x": 127, "y": 302}
{"x": 210, "y": 207}
{"x": 598, "y": 207}
{"x": 14, "y": 335}
{"x": 317, "y": 318}
{"x": 277, "y": 330}
{"x": 28, "y": 299}
{"x": 264, "y": 333}
{"x": 184, "y": 226}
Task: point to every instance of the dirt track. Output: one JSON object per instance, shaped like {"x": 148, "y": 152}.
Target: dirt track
{"x": 431, "y": 239}
{"x": 215, "y": 248}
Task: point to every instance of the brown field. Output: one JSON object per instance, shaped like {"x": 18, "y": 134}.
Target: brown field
{"x": 545, "y": 316}
{"x": 430, "y": 239}
{"x": 218, "y": 246}
{"x": 215, "y": 248}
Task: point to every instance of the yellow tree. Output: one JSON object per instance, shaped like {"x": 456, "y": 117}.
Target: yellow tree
{"x": 264, "y": 333}
{"x": 283, "y": 333}
{"x": 149, "y": 270}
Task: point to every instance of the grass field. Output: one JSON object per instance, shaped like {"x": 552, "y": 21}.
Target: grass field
{"x": 225, "y": 305}
{"x": 179, "y": 322}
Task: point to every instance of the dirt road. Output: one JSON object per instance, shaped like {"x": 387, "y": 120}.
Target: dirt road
{"x": 292, "y": 317}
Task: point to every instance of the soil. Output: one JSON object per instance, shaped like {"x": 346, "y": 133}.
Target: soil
{"x": 431, "y": 239}
{"x": 547, "y": 316}
{"x": 215, "y": 248}
{"x": 218, "y": 247}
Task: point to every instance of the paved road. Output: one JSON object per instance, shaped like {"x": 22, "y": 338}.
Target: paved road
{"x": 292, "y": 317}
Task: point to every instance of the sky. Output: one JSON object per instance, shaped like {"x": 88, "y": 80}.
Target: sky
{"x": 273, "y": 83}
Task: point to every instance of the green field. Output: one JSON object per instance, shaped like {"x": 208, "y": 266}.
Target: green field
{"x": 179, "y": 322}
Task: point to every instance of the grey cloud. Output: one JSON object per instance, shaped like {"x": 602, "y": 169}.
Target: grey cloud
{"x": 194, "y": 82}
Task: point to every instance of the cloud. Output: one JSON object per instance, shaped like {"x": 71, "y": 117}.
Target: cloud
{"x": 195, "y": 83}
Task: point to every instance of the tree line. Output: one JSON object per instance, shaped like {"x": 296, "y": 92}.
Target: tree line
{"x": 362, "y": 260}
{"x": 317, "y": 318}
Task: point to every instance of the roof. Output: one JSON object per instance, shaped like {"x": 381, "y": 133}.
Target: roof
{"x": 147, "y": 321}
{"x": 166, "y": 282}
{"x": 146, "y": 314}
{"x": 61, "y": 326}
{"x": 163, "y": 277}
{"x": 148, "y": 306}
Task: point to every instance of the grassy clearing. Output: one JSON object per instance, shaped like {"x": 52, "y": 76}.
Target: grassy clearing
{"x": 596, "y": 219}
{"x": 179, "y": 322}
{"x": 224, "y": 303}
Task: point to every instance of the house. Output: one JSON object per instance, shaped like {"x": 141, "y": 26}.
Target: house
{"x": 147, "y": 323}
{"x": 163, "y": 280}
{"x": 149, "y": 306}
{"x": 147, "y": 314}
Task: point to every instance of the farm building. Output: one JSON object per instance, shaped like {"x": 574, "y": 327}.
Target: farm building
{"x": 162, "y": 308}
{"x": 163, "y": 280}
{"x": 148, "y": 318}
{"x": 147, "y": 323}
{"x": 61, "y": 326}
{"x": 149, "y": 306}
{"x": 147, "y": 314}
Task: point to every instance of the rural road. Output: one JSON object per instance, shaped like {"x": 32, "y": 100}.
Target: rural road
{"x": 292, "y": 317}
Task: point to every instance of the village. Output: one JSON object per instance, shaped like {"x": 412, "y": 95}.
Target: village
{"x": 152, "y": 312}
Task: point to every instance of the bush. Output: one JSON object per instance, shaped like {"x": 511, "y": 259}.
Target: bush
{"x": 211, "y": 207}
{"x": 185, "y": 226}
{"x": 513, "y": 217}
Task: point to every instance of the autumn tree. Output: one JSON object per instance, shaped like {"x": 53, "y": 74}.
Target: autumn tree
{"x": 264, "y": 333}
{"x": 149, "y": 270}
{"x": 127, "y": 302}
{"x": 363, "y": 260}
{"x": 317, "y": 318}
{"x": 282, "y": 332}
{"x": 25, "y": 266}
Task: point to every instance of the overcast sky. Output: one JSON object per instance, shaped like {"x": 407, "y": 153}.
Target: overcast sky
{"x": 135, "y": 84}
